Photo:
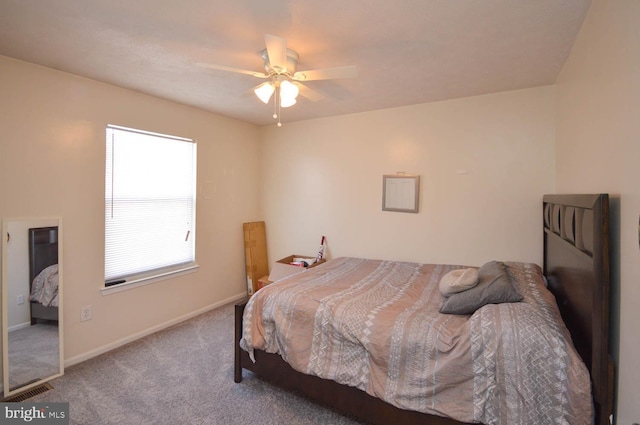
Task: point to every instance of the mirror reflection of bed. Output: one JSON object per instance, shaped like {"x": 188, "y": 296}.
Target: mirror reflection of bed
{"x": 32, "y": 298}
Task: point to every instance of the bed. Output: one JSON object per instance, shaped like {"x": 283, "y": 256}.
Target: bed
{"x": 43, "y": 273}
{"x": 576, "y": 269}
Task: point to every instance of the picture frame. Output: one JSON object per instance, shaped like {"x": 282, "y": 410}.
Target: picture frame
{"x": 401, "y": 193}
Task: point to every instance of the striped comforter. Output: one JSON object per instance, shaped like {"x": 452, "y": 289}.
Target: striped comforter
{"x": 375, "y": 325}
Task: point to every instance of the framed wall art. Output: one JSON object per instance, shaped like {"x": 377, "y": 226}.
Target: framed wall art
{"x": 400, "y": 192}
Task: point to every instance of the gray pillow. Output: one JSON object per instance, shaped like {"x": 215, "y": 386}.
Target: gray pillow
{"x": 494, "y": 287}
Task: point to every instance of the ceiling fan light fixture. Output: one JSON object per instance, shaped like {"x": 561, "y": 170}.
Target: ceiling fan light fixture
{"x": 264, "y": 91}
{"x": 288, "y": 94}
{"x": 285, "y": 103}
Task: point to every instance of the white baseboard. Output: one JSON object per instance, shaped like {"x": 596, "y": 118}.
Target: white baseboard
{"x": 119, "y": 343}
{"x": 19, "y": 326}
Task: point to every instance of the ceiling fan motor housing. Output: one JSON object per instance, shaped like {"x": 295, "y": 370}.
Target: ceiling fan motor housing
{"x": 292, "y": 63}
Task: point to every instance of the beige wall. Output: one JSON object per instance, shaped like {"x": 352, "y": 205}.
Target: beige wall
{"x": 598, "y": 150}
{"x": 52, "y": 164}
{"x": 324, "y": 177}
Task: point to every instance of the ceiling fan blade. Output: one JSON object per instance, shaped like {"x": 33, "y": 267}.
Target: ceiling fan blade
{"x": 277, "y": 50}
{"x": 230, "y": 69}
{"x": 326, "y": 74}
{"x": 310, "y": 94}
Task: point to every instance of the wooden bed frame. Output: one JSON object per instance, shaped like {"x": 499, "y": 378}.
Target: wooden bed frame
{"x": 576, "y": 263}
{"x": 43, "y": 252}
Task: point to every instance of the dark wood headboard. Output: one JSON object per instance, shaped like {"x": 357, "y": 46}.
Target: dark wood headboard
{"x": 576, "y": 264}
{"x": 43, "y": 249}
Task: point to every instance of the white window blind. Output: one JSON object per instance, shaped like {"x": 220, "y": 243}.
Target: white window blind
{"x": 150, "y": 202}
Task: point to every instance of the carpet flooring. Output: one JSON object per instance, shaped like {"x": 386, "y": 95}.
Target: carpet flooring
{"x": 33, "y": 353}
{"x": 180, "y": 375}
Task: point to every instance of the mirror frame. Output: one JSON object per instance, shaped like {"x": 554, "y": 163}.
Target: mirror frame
{"x": 4, "y": 306}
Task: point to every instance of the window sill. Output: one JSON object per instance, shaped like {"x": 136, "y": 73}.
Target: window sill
{"x": 136, "y": 282}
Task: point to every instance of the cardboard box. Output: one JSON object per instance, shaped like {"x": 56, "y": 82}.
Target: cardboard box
{"x": 255, "y": 253}
{"x": 283, "y": 267}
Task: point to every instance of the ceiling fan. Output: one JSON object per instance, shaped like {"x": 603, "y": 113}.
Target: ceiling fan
{"x": 280, "y": 66}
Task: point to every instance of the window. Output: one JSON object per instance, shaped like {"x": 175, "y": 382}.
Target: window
{"x": 150, "y": 202}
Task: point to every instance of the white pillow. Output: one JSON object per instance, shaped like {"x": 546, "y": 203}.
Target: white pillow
{"x": 458, "y": 280}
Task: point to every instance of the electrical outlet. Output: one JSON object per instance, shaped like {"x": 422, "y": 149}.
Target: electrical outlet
{"x": 85, "y": 313}
{"x": 20, "y": 299}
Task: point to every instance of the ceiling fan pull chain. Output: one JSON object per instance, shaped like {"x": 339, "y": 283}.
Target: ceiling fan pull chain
{"x": 277, "y": 101}
{"x": 275, "y": 104}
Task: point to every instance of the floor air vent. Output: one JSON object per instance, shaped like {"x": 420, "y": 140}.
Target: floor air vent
{"x": 29, "y": 393}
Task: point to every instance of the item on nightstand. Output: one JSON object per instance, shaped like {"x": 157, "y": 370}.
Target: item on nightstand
{"x": 320, "y": 255}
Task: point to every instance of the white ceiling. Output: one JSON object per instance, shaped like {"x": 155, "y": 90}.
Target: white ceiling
{"x": 406, "y": 51}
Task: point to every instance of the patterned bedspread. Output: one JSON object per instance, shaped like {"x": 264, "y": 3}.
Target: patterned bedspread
{"x": 375, "y": 325}
{"x": 44, "y": 288}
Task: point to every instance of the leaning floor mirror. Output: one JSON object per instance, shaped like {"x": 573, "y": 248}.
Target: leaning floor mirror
{"x": 32, "y": 351}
